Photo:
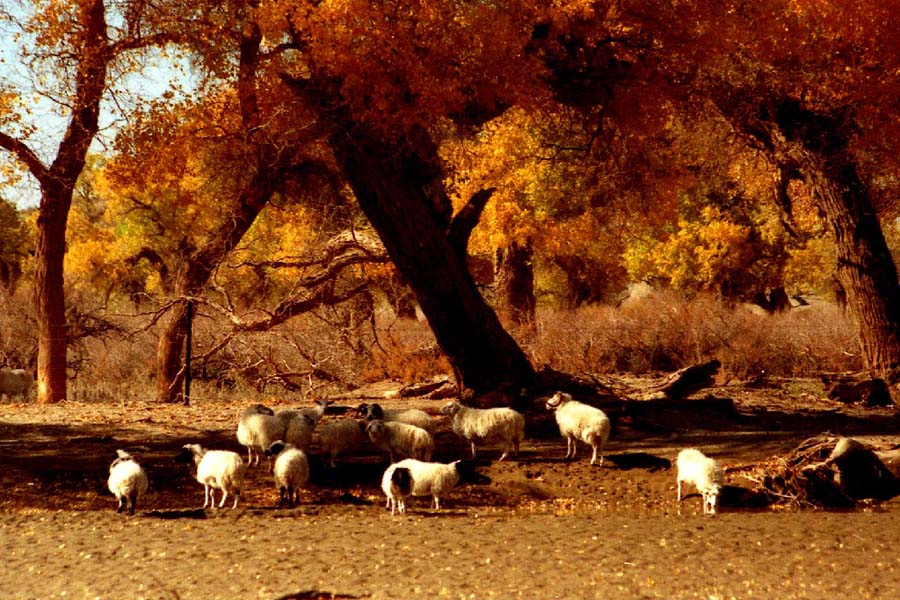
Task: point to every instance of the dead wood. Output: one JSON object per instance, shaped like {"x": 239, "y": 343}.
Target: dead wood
{"x": 684, "y": 382}
{"x": 824, "y": 472}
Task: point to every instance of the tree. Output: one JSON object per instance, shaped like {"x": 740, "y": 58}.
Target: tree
{"x": 76, "y": 40}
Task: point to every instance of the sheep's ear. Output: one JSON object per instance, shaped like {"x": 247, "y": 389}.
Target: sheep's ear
{"x": 275, "y": 448}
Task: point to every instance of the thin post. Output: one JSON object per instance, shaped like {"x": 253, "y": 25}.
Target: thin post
{"x": 189, "y": 317}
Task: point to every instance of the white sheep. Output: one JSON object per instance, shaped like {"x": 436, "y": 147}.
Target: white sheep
{"x": 127, "y": 481}
{"x": 424, "y": 479}
{"x": 579, "y": 422}
{"x": 479, "y": 425}
{"x": 703, "y": 473}
{"x": 318, "y": 411}
{"x": 400, "y": 439}
{"x": 217, "y": 470}
{"x": 341, "y": 437}
{"x": 15, "y": 381}
{"x": 410, "y": 416}
{"x": 258, "y": 428}
{"x": 291, "y": 471}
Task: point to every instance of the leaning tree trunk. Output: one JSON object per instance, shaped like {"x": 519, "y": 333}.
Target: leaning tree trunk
{"x": 817, "y": 145}
{"x": 388, "y": 183}
{"x": 169, "y": 351}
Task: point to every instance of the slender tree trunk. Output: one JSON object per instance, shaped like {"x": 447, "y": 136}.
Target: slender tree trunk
{"x": 386, "y": 180}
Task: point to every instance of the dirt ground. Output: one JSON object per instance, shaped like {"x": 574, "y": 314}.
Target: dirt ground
{"x": 543, "y": 528}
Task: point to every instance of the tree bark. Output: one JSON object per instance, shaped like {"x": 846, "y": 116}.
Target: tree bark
{"x": 406, "y": 211}
{"x": 514, "y": 283}
{"x": 817, "y": 145}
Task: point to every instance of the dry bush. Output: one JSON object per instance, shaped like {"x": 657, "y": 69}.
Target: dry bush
{"x": 664, "y": 332}
{"x": 18, "y": 332}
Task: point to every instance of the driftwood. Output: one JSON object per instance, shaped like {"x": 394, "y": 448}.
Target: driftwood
{"x": 824, "y": 471}
{"x": 684, "y": 382}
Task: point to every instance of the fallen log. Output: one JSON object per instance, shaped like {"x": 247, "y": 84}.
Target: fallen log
{"x": 684, "y": 382}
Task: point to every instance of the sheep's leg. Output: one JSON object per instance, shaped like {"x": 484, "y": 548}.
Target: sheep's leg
{"x": 679, "y": 490}
{"x": 132, "y": 501}
{"x": 437, "y": 502}
{"x": 505, "y": 453}
{"x": 473, "y": 450}
{"x": 594, "y": 457}
{"x": 224, "y": 496}
{"x": 402, "y": 505}
{"x": 237, "y": 496}
{"x": 206, "y": 495}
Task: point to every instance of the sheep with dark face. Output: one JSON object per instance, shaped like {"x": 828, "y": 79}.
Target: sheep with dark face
{"x": 291, "y": 471}
{"x": 127, "y": 481}
{"x": 217, "y": 470}
{"x": 413, "y": 477}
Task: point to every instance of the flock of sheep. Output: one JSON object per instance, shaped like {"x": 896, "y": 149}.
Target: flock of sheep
{"x": 405, "y": 436}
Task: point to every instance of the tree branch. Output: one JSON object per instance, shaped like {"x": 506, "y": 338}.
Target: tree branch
{"x": 26, "y": 155}
{"x": 466, "y": 219}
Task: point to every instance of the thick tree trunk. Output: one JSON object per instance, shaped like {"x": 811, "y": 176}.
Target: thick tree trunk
{"x": 169, "y": 350}
{"x": 514, "y": 284}
{"x": 388, "y": 184}
{"x": 817, "y": 146}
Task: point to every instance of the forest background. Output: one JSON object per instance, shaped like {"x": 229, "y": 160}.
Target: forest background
{"x": 347, "y": 191}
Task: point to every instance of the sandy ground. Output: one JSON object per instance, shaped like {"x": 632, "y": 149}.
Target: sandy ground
{"x": 543, "y": 528}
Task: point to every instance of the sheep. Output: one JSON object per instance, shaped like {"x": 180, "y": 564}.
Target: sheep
{"x": 257, "y": 429}
{"x": 425, "y": 479}
{"x": 291, "y": 471}
{"x": 477, "y": 425}
{"x": 397, "y": 486}
{"x": 298, "y": 427}
{"x": 703, "y": 473}
{"x": 400, "y": 439}
{"x": 341, "y": 437}
{"x": 580, "y": 422}
{"x": 127, "y": 481}
{"x": 410, "y": 416}
{"x": 15, "y": 381}
{"x": 217, "y": 470}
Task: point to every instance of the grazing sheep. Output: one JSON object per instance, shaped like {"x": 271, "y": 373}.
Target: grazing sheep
{"x": 298, "y": 427}
{"x": 258, "y": 428}
{"x": 127, "y": 481}
{"x": 341, "y": 437}
{"x": 397, "y": 486}
{"x": 216, "y": 470}
{"x": 15, "y": 381}
{"x": 424, "y": 479}
{"x": 580, "y": 422}
{"x": 479, "y": 425}
{"x": 410, "y": 416}
{"x": 291, "y": 471}
{"x": 703, "y": 473}
{"x": 400, "y": 439}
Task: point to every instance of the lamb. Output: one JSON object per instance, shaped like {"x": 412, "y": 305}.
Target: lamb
{"x": 478, "y": 425}
{"x": 291, "y": 471}
{"x": 341, "y": 437}
{"x": 703, "y": 473}
{"x": 412, "y": 477}
{"x": 127, "y": 481}
{"x": 400, "y": 439}
{"x": 15, "y": 381}
{"x": 216, "y": 470}
{"x": 258, "y": 428}
{"x": 410, "y": 416}
{"x": 580, "y": 422}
